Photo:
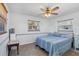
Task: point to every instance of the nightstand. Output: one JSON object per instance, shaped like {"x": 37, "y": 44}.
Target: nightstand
{"x": 11, "y": 44}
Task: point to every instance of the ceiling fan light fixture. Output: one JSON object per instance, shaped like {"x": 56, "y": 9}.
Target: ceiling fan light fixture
{"x": 47, "y": 14}
{"x": 48, "y": 11}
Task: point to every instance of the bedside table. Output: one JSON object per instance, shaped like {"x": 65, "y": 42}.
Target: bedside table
{"x": 76, "y": 42}
{"x": 11, "y": 44}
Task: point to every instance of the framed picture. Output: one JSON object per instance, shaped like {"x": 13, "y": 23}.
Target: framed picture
{"x": 65, "y": 25}
{"x": 33, "y": 25}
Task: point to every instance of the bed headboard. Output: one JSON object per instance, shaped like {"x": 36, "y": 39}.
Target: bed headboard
{"x": 65, "y": 27}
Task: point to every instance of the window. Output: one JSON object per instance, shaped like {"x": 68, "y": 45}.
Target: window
{"x": 33, "y": 25}
{"x": 1, "y": 27}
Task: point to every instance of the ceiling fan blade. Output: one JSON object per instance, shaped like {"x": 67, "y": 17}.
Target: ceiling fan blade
{"x": 56, "y": 8}
{"x": 54, "y": 13}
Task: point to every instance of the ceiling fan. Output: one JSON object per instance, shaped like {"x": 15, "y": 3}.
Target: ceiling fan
{"x": 48, "y": 11}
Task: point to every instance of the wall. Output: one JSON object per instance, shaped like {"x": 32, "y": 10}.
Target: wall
{"x": 75, "y": 16}
{"x": 3, "y": 44}
{"x": 52, "y": 25}
{"x": 19, "y": 22}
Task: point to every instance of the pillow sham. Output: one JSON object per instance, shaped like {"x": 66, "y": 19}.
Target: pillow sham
{"x": 67, "y": 35}
{"x": 50, "y": 34}
{"x": 54, "y": 34}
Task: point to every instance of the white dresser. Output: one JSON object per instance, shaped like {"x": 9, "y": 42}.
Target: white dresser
{"x": 76, "y": 42}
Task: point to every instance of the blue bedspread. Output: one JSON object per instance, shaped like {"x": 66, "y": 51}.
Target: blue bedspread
{"x": 54, "y": 45}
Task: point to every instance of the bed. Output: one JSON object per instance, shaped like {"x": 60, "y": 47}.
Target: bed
{"x": 59, "y": 42}
{"x": 54, "y": 45}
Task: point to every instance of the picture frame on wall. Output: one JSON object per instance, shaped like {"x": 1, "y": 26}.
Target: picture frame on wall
{"x": 33, "y": 25}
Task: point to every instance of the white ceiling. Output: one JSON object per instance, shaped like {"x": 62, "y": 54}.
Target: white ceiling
{"x": 33, "y": 9}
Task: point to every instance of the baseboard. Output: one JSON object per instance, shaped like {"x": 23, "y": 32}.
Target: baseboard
{"x": 26, "y": 43}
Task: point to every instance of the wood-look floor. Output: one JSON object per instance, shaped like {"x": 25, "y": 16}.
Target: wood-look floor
{"x": 32, "y": 50}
